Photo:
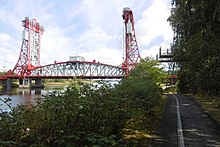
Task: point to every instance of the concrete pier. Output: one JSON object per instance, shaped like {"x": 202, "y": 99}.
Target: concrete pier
{"x": 36, "y": 83}
{"x": 23, "y": 83}
{"x": 6, "y": 83}
{"x": 30, "y": 83}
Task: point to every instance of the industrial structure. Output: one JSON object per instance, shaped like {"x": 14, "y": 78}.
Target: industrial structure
{"x": 132, "y": 55}
{"x": 30, "y": 73}
{"x": 166, "y": 56}
{"x": 30, "y": 50}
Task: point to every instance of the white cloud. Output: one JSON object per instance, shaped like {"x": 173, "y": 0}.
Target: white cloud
{"x": 55, "y": 46}
{"x": 89, "y": 28}
{"x": 8, "y": 57}
{"x": 4, "y": 38}
{"x": 154, "y": 23}
{"x": 152, "y": 52}
{"x": 104, "y": 55}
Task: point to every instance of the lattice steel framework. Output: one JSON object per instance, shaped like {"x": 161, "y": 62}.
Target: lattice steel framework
{"x": 29, "y": 57}
{"x": 28, "y": 64}
{"x": 79, "y": 69}
{"x": 132, "y": 55}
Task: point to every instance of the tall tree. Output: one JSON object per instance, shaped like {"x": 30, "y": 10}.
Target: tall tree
{"x": 196, "y": 25}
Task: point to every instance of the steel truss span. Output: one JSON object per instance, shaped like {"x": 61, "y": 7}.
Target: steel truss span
{"x": 78, "y": 69}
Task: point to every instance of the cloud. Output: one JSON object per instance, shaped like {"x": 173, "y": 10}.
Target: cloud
{"x": 152, "y": 52}
{"x": 7, "y": 56}
{"x": 104, "y": 25}
{"x": 104, "y": 55}
{"x": 89, "y": 28}
{"x": 4, "y": 38}
{"x": 154, "y": 23}
{"x": 55, "y": 45}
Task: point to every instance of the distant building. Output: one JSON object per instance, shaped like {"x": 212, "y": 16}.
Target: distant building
{"x": 76, "y": 58}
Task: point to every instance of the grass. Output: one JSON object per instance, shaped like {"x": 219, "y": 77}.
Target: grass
{"x": 145, "y": 137}
{"x": 56, "y": 83}
{"x": 63, "y": 82}
{"x": 211, "y": 105}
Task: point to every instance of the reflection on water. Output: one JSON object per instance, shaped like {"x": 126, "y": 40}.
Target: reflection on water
{"x": 22, "y": 96}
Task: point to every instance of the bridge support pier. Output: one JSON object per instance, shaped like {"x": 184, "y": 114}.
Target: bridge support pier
{"x": 30, "y": 83}
{"x": 6, "y": 83}
{"x": 24, "y": 83}
{"x": 37, "y": 83}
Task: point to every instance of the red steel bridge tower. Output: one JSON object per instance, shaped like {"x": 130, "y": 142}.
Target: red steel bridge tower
{"x": 29, "y": 71}
{"x": 29, "y": 57}
{"x": 132, "y": 55}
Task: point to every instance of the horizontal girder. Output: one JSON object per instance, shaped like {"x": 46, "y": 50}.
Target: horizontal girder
{"x": 78, "y": 69}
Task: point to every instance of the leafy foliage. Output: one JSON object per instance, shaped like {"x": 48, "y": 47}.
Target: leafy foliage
{"x": 149, "y": 68}
{"x": 88, "y": 114}
{"x": 197, "y": 45}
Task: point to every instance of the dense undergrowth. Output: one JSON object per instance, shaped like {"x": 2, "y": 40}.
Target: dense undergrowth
{"x": 87, "y": 114}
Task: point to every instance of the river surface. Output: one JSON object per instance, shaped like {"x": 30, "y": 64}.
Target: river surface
{"x": 22, "y": 96}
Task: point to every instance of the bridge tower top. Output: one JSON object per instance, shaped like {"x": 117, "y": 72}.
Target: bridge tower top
{"x": 132, "y": 55}
{"x": 29, "y": 57}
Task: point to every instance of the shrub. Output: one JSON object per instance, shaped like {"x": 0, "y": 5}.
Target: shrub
{"x": 91, "y": 114}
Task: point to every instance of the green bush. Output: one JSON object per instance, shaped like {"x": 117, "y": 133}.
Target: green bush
{"x": 91, "y": 114}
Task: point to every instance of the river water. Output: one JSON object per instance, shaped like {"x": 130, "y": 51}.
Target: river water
{"x": 22, "y": 96}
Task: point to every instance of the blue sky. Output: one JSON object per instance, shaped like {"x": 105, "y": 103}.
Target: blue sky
{"x": 89, "y": 28}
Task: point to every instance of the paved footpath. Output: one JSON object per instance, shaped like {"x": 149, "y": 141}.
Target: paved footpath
{"x": 185, "y": 124}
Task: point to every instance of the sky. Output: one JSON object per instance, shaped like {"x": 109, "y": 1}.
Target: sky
{"x": 89, "y": 28}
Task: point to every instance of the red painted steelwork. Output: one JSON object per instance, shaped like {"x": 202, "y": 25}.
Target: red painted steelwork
{"x": 28, "y": 64}
{"x": 29, "y": 57}
{"x": 132, "y": 55}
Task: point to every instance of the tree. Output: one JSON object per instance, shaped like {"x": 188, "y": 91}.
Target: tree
{"x": 196, "y": 25}
{"x": 149, "y": 68}
{"x": 89, "y": 114}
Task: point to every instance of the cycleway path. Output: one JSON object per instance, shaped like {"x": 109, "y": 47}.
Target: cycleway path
{"x": 185, "y": 124}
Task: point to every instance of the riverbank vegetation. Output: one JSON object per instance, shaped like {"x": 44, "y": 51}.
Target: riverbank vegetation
{"x": 90, "y": 114}
{"x": 2, "y": 73}
{"x": 62, "y": 82}
{"x": 56, "y": 82}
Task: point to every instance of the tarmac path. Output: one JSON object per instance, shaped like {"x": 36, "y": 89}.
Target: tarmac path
{"x": 185, "y": 124}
